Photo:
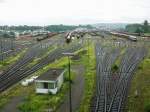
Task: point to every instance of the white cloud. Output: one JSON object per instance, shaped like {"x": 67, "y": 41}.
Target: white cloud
{"x": 42, "y": 12}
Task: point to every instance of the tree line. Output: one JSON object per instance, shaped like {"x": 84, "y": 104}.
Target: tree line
{"x": 51, "y": 28}
{"x": 138, "y": 28}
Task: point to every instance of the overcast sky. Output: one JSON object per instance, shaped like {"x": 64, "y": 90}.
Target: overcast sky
{"x": 44, "y": 12}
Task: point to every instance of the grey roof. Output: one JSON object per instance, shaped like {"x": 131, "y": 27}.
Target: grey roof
{"x": 51, "y": 74}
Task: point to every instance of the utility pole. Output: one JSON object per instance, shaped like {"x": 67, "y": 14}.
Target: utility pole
{"x": 69, "y": 71}
{"x": 88, "y": 47}
{"x": 70, "y": 94}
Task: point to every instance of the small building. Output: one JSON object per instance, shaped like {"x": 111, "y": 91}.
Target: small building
{"x": 50, "y": 82}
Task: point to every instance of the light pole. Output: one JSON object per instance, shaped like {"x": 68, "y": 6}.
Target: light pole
{"x": 69, "y": 71}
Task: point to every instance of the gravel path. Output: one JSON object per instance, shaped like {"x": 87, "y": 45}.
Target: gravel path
{"x": 77, "y": 90}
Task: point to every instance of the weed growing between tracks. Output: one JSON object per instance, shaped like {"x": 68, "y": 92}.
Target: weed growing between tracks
{"x": 118, "y": 60}
{"x": 147, "y": 34}
{"x": 36, "y": 60}
{"x": 10, "y": 60}
{"x": 139, "y": 95}
{"x": 89, "y": 76}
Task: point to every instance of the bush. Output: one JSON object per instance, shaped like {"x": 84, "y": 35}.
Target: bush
{"x": 147, "y": 107}
{"x": 31, "y": 105}
{"x": 115, "y": 68}
{"x": 140, "y": 67}
{"x": 3, "y": 63}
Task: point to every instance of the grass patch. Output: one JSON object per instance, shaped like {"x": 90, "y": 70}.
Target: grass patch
{"x": 7, "y": 95}
{"x": 114, "y": 68}
{"x": 10, "y": 60}
{"x": 38, "y": 102}
{"x": 90, "y": 64}
{"x": 118, "y": 61}
{"x": 147, "y": 34}
{"x": 36, "y": 60}
{"x": 141, "y": 85}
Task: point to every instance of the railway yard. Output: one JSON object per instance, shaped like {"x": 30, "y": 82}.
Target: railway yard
{"x": 112, "y": 77}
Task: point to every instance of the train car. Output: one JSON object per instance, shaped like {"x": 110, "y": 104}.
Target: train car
{"x": 133, "y": 38}
{"x": 68, "y": 37}
{"x": 48, "y": 35}
{"x": 130, "y": 37}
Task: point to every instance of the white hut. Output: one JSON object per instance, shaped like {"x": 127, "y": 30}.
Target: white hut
{"x": 50, "y": 82}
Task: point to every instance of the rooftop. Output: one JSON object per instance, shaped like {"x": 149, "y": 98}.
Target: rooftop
{"x": 51, "y": 74}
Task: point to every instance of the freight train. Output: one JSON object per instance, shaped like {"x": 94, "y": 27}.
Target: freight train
{"x": 48, "y": 35}
{"x": 130, "y": 37}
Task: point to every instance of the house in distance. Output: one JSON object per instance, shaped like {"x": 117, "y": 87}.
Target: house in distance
{"x": 50, "y": 82}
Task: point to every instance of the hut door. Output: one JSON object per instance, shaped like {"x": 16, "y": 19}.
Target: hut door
{"x": 45, "y": 85}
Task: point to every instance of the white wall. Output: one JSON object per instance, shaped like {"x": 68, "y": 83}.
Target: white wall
{"x": 46, "y": 91}
{"x": 60, "y": 80}
{"x": 40, "y": 88}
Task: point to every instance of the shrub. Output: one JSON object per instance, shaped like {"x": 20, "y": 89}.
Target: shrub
{"x": 147, "y": 107}
{"x": 114, "y": 68}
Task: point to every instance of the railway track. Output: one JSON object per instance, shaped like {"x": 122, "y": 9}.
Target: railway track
{"x": 20, "y": 70}
{"x": 7, "y": 48}
{"x": 126, "y": 76}
{"x": 112, "y": 88}
{"x": 105, "y": 58}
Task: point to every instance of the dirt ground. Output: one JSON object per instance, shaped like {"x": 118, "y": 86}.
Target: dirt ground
{"x": 12, "y": 105}
{"x": 77, "y": 90}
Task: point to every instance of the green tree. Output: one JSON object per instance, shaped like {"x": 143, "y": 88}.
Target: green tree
{"x": 139, "y": 31}
{"x": 146, "y": 26}
{"x": 145, "y": 23}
